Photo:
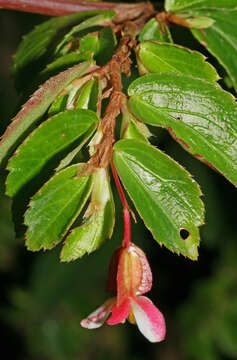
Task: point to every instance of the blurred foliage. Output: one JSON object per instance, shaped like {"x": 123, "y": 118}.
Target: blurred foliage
{"x": 211, "y": 311}
{"x": 42, "y": 301}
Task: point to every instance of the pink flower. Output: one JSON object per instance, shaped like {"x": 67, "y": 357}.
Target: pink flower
{"x": 130, "y": 276}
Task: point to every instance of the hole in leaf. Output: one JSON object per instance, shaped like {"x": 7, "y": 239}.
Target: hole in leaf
{"x": 184, "y": 234}
{"x": 179, "y": 117}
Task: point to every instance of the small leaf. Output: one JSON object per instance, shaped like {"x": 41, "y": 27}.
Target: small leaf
{"x": 154, "y": 30}
{"x": 102, "y": 17}
{"x": 171, "y": 58}
{"x": 55, "y": 207}
{"x": 88, "y": 96}
{"x": 36, "y": 106}
{"x": 200, "y": 22}
{"x": 37, "y": 45}
{"x": 49, "y": 139}
{"x": 58, "y": 105}
{"x": 164, "y": 194}
{"x": 99, "y": 221}
{"x": 133, "y": 129}
{"x": 107, "y": 44}
{"x": 88, "y": 99}
{"x": 221, "y": 39}
{"x": 199, "y": 115}
{"x": 184, "y": 5}
{"x": 89, "y": 43}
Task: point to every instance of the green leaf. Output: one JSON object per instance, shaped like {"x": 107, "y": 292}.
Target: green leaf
{"x": 58, "y": 105}
{"x": 48, "y": 140}
{"x": 37, "y": 45}
{"x": 98, "y": 224}
{"x": 171, "y": 58}
{"x": 154, "y": 30}
{"x": 164, "y": 194}
{"x": 221, "y": 39}
{"x": 36, "y": 106}
{"x": 55, "y": 207}
{"x": 184, "y": 5}
{"x": 107, "y": 44}
{"x": 100, "y": 19}
{"x": 64, "y": 62}
{"x": 88, "y": 96}
{"x": 199, "y": 115}
{"x": 133, "y": 129}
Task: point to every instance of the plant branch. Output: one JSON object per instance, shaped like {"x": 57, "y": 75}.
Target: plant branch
{"x": 124, "y": 11}
{"x": 120, "y": 62}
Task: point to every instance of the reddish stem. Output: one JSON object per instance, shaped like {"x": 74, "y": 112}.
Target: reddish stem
{"x": 127, "y": 228}
{"x": 54, "y": 7}
{"x": 124, "y": 11}
{"x": 126, "y": 213}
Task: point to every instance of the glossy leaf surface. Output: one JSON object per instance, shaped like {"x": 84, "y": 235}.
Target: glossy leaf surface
{"x": 98, "y": 223}
{"x": 88, "y": 96}
{"x": 164, "y": 194}
{"x": 154, "y": 30}
{"x": 48, "y": 140}
{"x": 171, "y": 58}
{"x": 221, "y": 39}
{"x": 187, "y": 5}
{"x": 54, "y": 208}
{"x": 36, "y": 106}
{"x": 199, "y": 115}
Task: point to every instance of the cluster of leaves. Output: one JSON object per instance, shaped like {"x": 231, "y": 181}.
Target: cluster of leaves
{"x": 58, "y": 128}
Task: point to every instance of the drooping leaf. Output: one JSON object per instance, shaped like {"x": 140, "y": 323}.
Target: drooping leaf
{"x": 36, "y": 45}
{"x": 103, "y": 17}
{"x": 187, "y": 5}
{"x": 55, "y": 207}
{"x": 98, "y": 223}
{"x": 36, "y": 106}
{"x": 221, "y": 39}
{"x": 154, "y": 30}
{"x": 47, "y": 141}
{"x": 164, "y": 194}
{"x": 171, "y": 58}
{"x": 199, "y": 115}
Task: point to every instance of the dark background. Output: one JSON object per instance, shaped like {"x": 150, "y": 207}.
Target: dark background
{"x": 43, "y": 301}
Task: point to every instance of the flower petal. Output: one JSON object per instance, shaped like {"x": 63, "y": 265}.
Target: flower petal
{"x": 98, "y": 317}
{"x": 134, "y": 274}
{"x": 113, "y": 269}
{"x": 119, "y": 313}
{"x": 149, "y": 319}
